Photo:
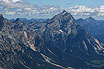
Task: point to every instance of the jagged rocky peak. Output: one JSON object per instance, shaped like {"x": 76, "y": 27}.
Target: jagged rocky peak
{"x": 80, "y": 19}
{"x": 90, "y": 19}
{"x": 1, "y": 17}
{"x": 63, "y": 43}
{"x": 1, "y": 21}
{"x": 62, "y": 23}
{"x": 18, "y": 20}
{"x": 71, "y": 37}
{"x": 64, "y": 12}
{"x": 63, "y": 16}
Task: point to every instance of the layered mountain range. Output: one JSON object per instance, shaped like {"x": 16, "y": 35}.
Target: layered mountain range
{"x": 57, "y": 43}
{"x": 93, "y": 27}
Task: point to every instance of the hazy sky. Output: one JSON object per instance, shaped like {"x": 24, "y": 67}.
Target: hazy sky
{"x": 48, "y": 8}
{"x": 66, "y": 3}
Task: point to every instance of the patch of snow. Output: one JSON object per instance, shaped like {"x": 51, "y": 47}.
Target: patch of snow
{"x": 60, "y": 30}
{"x": 71, "y": 20}
{"x": 21, "y": 23}
{"x": 64, "y": 13}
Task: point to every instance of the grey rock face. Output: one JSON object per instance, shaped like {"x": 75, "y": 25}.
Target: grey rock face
{"x": 64, "y": 32}
{"x": 1, "y": 21}
{"x": 93, "y": 27}
{"x": 57, "y": 43}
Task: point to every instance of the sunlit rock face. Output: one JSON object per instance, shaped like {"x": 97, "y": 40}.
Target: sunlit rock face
{"x": 58, "y": 43}
{"x": 64, "y": 33}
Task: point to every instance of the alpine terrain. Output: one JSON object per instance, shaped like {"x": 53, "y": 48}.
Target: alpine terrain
{"x": 56, "y": 43}
{"x": 93, "y": 27}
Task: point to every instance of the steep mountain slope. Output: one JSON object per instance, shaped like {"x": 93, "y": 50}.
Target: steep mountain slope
{"x": 1, "y": 21}
{"x": 92, "y": 26}
{"x": 65, "y": 34}
{"x": 22, "y": 47}
{"x": 16, "y": 53}
{"x": 57, "y": 43}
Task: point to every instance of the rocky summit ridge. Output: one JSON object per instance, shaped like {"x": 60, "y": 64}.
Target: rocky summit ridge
{"x": 58, "y": 43}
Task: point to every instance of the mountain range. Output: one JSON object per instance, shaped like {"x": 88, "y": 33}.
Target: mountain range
{"x": 56, "y": 43}
{"x": 93, "y": 27}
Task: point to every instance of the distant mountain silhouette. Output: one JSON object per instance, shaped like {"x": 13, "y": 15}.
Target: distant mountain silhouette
{"x": 93, "y": 27}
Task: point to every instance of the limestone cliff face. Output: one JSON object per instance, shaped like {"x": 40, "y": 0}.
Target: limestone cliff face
{"x": 64, "y": 33}
{"x": 58, "y": 43}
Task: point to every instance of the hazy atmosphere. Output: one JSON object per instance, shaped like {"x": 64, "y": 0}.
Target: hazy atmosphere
{"x": 51, "y": 34}
{"x": 48, "y": 8}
